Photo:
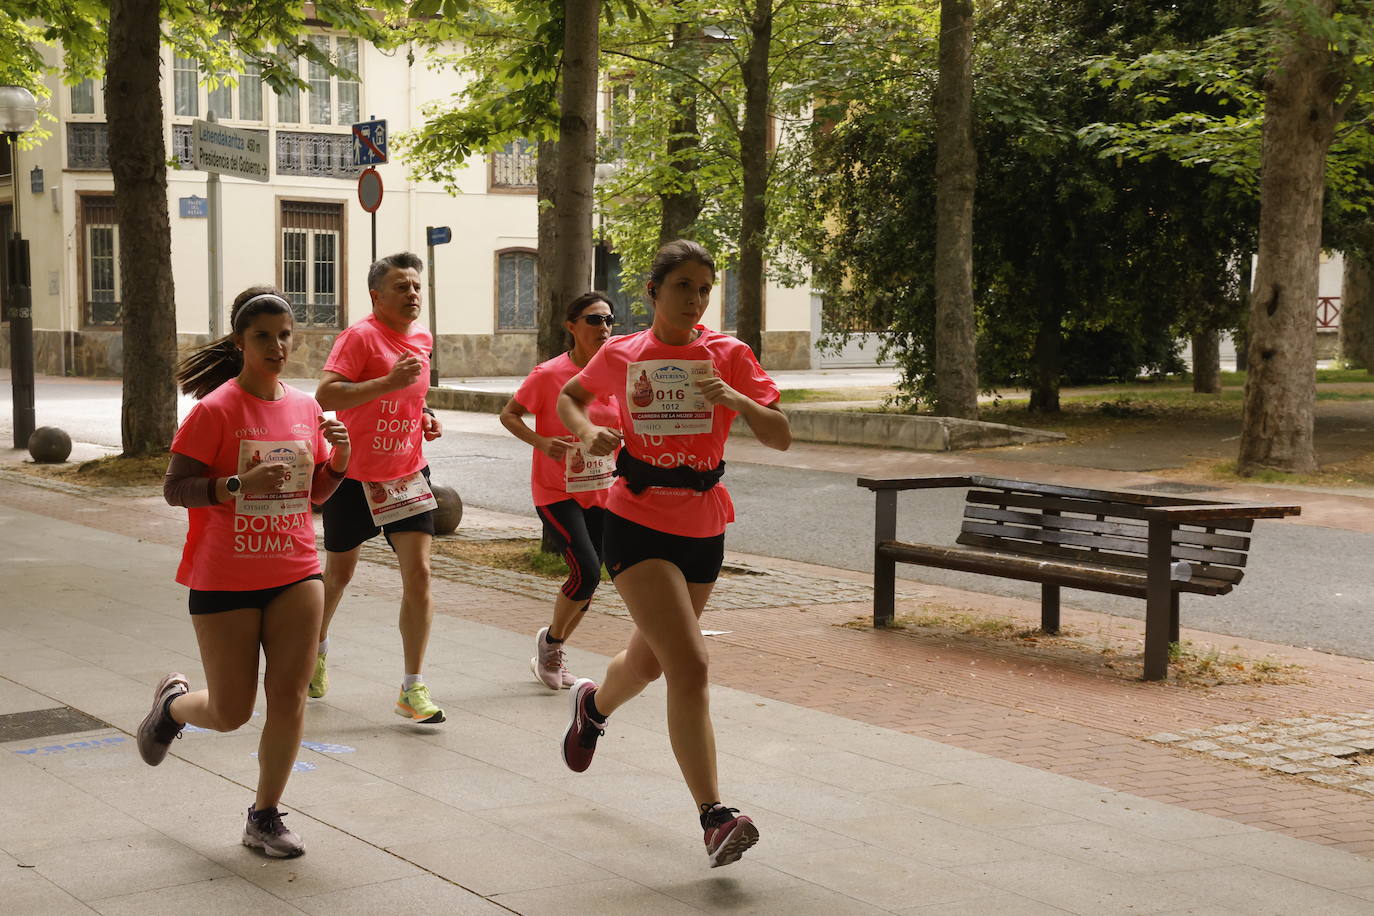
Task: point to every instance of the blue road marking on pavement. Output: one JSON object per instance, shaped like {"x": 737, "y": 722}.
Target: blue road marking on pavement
{"x": 300, "y": 766}
{"x": 53, "y": 750}
{"x": 324, "y": 748}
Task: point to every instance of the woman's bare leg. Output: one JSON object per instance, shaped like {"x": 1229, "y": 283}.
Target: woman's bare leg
{"x": 229, "y": 654}
{"x": 290, "y": 630}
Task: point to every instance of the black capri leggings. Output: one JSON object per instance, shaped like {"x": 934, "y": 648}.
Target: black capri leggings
{"x": 577, "y": 532}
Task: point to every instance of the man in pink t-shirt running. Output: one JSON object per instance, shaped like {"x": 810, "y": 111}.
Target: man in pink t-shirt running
{"x": 376, "y": 379}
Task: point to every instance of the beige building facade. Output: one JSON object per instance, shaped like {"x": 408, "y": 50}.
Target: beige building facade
{"x": 304, "y": 229}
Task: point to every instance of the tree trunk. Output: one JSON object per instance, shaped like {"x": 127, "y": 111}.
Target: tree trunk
{"x": 1207, "y": 362}
{"x": 1357, "y": 310}
{"x": 552, "y": 338}
{"x": 1300, "y": 118}
{"x": 133, "y": 106}
{"x": 576, "y": 161}
{"x": 1047, "y": 357}
{"x": 681, "y": 204}
{"x": 1241, "y": 338}
{"x": 754, "y": 164}
{"x": 956, "y": 363}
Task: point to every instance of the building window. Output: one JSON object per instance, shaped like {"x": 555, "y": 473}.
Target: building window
{"x": 250, "y": 92}
{"x": 100, "y": 261}
{"x": 349, "y": 92}
{"x": 316, "y": 155}
{"x": 88, "y": 146}
{"x": 516, "y": 304}
{"x": 311, "y": 261}
{"x": 514, "y": 167}
{"x": 83, "y": 97}
{"x": 185, "y": 87}
{"x": 289, "y": 99}
{"x": 330, "y": 99}
{"x": 321, "y": 98}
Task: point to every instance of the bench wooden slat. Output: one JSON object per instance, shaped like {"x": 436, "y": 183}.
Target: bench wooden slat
{"x": 1124, "y": 529}
{"x": 1131, "y": 583}
{"x": 1084, "y": 507}
{"x": 1069, "y": 554}
{"x": 1016, "y": 535}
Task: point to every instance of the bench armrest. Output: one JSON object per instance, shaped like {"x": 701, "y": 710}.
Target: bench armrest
{"x": 911, "y": 483}
{"x": 1184, "y": 514}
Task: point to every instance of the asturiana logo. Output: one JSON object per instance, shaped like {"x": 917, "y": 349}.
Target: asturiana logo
{"x": 281, "y": 456}
{"x": 670, "y": 375}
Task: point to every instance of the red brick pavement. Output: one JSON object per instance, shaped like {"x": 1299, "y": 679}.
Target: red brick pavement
{"x": 1054, "y": 710}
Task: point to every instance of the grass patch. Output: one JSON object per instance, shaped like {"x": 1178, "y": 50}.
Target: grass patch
{"x": 1357, "y": 472}
{"x": 805, "y": 395}
{"x": 1112, "y": 650}
{"x": 518, "y": 554}
{"x": 110, "y": 471}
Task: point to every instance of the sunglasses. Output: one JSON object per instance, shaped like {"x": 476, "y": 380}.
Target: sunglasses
{"x": 597, "y": 321}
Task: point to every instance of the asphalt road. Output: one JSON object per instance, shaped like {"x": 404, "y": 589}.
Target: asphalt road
{"x": 1305, "y": 586}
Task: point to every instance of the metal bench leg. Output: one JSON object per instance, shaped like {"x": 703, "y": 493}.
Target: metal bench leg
{"x": 1173, "y": 616}
{"x": 1160, "y": 601}
{"x": 884, "y": 568}
{"x": 1049, "y": 608}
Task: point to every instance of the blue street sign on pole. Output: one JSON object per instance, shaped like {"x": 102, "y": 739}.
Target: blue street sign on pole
{"x": 369, "y": 143}
{"x": 439, "y": 235}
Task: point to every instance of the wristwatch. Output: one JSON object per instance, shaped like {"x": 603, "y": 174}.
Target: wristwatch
{"x": 233, "y": 484}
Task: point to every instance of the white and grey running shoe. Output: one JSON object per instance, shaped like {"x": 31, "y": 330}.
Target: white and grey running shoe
{"x": 265, "y": 831}
{"x": 156, "y": 731}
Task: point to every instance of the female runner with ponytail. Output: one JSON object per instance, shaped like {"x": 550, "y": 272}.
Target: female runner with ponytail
{"x": 246, "y": 463}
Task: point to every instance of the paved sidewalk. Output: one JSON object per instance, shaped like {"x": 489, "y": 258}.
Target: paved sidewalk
{"x": 890, "y": 773}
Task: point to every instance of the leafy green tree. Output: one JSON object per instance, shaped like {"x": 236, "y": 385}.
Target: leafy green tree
{"x": 272, "y": 33}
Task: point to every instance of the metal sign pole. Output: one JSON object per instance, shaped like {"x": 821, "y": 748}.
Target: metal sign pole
{"x": 374, "y": 236}
{"x": 214, "y": 247}
{"x": 433, "y": 314}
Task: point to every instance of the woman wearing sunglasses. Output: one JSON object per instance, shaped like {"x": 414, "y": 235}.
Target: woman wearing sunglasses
{"x": 569, "y": 485}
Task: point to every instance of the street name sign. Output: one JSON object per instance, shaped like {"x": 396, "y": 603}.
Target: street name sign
{"x": 439, "y": 235}
{"x": 369, "y": 143}
{"x": 230, "y": 151}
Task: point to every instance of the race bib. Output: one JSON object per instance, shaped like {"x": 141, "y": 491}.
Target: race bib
{"x": 294, "y": 496}
{"x": 664, "y": 399}
{"x": 393, "y": 500}
{"x": 583, "y": 472}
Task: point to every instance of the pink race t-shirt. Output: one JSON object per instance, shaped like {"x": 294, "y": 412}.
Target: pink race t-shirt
{"x": 230, "y": 430}
{"x": 385, "y": 432}
{"x": 539, "y": 395}
{"x": 665, "y": 421}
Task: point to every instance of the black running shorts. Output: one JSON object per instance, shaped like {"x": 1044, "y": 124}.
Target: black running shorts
{"x": 627, "y": 543}
{"x": 202, "y": 602}
{"x": 348, "y": 520}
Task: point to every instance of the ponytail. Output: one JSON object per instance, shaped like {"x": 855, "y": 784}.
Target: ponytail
{"x": 205, "y": 369}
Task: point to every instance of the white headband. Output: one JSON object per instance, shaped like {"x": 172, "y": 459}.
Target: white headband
{"x": 265, "y": 296}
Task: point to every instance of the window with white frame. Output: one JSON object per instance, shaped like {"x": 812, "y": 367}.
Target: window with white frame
{"x": 311, "y": 261}
{"x": 100, "y": 261}
{"x": 250, "y": 91}
{"x": 516, "y": 304}
{"x": 185, "y": 86}
{"x": 83, "y": 97}
{"x": 329, "y": 99}
{"x": 235, "y": 97}
{"x": 515, "y": 166}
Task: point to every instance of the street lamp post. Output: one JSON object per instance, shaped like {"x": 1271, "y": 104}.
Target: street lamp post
{"x": 18, "y": 114}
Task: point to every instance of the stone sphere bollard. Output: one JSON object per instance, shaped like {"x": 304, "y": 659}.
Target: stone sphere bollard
{"x": 49, "y": 445}
{"x": 450, "y": 511}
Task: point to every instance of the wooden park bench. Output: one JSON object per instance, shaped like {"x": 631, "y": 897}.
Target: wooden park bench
{"x": 1134, "y": 544}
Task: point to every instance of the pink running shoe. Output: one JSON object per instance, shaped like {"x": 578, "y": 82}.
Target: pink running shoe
{"x": 728, "y": 834}
{"x": 547, "y": 664}
{"x": 579, "y": 741}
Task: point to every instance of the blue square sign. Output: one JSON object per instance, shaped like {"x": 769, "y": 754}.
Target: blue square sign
{"x": 369, "y": 143}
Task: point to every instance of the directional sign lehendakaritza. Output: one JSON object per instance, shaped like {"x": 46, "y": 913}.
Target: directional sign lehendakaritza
{"x": 230, "y": 151}
{"x": 369, "y": 143}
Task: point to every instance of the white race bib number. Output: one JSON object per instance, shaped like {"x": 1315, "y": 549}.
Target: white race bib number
{"x": 392, "y": 500}
{"x": 664, "y": 399}
{"x": 582, "y": 472}
{"x": 294, "y": 496}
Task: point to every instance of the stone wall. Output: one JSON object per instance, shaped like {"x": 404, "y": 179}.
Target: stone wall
{"x": 480, "y": 355}
{"x": 786, "y": 350}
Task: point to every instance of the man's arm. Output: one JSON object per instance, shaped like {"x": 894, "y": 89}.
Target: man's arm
{"x": 335, "y": 392}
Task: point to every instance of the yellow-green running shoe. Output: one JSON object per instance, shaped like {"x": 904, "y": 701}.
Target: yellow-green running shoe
{"x": 319, "y": 681}
{"x": 416, "y": 705}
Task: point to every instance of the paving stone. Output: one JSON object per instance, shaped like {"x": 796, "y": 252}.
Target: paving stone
{"x": 1230, "y": 755}
{"x": 1202, "y": 746}
{"x": 1330, "y": 762}
{"x": 1338, "y": 750}
{"x": 1300, "y": 755}
{"x": 1333, "y": 779}
{"x": 1265, "y": 761}
{"x": 1165, "y": 738}
{"x": 1265, "y": 747}
{"x": 1294, "y": 768}
{"x": 1234, "y": 740}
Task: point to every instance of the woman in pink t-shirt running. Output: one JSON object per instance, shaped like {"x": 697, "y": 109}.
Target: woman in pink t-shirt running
{"x": 246, "y": 462}
{"x": 678, "y": 386}
{"x": 569, "y": 495}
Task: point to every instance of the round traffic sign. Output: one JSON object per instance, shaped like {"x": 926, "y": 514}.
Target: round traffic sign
{"x": 370, "y": 190}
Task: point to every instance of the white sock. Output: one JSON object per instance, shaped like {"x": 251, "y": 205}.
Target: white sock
{"x": 324, "y": 647}
{"x": 411, "y": 680}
